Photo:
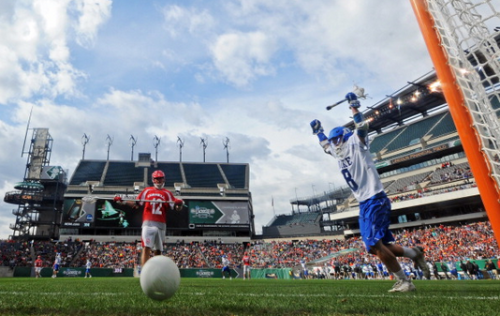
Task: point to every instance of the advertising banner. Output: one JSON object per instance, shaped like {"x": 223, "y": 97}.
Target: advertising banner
{"x": 102, "y": 213}
{"x": 218, "y": 214}
{"x": 76, "y": 213}
{"x": 99, "y": 213}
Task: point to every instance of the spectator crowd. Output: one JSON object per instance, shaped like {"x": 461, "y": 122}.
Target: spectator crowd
{"x": 445, "y": 246}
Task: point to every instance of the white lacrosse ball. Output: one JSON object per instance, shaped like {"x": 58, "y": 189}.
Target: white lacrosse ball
{"x": 160, "y": 278}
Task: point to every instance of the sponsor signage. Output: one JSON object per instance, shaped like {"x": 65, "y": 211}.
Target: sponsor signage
{"x": 103, "y": 213}
{"x": 420, "y": 153}
{"x": 218, "y": 214}
{"x": 72, "y": 272}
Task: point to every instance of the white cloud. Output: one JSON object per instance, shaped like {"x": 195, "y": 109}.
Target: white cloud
{"x": 178, "y": 20}
{"x": 92, "y": 14}
{"x": 243, "y": 57}
{"x": 35, "y": 57}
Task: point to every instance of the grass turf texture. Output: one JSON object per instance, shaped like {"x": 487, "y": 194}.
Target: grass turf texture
{"x": 123, "y": 296}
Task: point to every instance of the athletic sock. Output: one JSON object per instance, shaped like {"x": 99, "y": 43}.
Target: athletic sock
{"x": 409, "y": 253}
{"x": 400, "y": 275}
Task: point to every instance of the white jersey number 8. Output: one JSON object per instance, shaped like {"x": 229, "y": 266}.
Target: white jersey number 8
{"x": 350, "y": 181}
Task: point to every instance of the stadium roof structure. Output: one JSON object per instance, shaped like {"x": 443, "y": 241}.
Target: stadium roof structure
{"x": 416, "y": 99}
{"x": 339, "y": 194}
{"x": 188, "y": 177}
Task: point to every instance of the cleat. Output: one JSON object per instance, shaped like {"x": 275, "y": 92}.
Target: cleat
{"x": 397, "y": 284}
{"x": 420, "y": 262}
{"x": 403, "y": 286}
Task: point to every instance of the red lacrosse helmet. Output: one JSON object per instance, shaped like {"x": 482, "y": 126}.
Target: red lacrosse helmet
{"x": 158, "y": 179}
{"x": 158, "y": 174}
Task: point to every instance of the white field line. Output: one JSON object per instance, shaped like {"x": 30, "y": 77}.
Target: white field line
{"x": 479, "y": 298}
{"x": 397, "y": 295}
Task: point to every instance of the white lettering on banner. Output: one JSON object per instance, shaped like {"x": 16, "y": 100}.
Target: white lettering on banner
{"x": 72, "y": 273}
{"x": 204, "y": 274}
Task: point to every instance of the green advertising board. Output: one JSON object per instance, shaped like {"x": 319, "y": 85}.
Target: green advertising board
{"x": 219, "y": 214}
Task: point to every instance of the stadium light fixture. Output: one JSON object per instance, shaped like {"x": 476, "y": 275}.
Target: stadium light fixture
{"x": 435, "y": 86}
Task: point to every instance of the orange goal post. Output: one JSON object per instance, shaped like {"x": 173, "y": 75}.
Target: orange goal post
{"x": 462, "y": 37}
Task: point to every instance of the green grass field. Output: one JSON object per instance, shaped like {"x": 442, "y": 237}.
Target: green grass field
{"x": 123, "y": 296}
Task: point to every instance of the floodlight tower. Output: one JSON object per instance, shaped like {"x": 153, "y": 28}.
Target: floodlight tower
{"x": 156, "y": 144}
{"x": 132, "y": 141}
{"x": 85, "y": 141}
{"x": 225, "y": 143}
{"x": 204, "y": 144}
{"x": 180, "y": 143}
{"x": 109, "y": 142}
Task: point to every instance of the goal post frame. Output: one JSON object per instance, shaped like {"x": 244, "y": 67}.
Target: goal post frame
{"x": 487, "y": 186}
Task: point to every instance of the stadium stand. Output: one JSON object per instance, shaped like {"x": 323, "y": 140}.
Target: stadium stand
{"x": 202, "y": 175}
{"x": 443, "y": 127}
{"x": 173, "y": 173}
{"x": 443, "y": 244}
{"x": 123, "y": 173}
{"x": 236, "y": 175}
{"x": 381, "y": 141}
{"x": 89, "y": 170}
{"x": 408, "y": 183}
{"x": 411, "y": 133}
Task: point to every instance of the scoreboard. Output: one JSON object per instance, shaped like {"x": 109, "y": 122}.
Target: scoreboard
{"x": 104, "y": 213}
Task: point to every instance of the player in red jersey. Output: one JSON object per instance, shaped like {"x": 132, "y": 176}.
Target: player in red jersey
{"x": 157, "y": 201}
{"x": 246, "y": 266}
{"x": 38, "y": 266}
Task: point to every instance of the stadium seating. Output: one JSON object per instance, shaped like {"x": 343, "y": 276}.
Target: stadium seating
{"x": 202, "y": 175}
{"x": 477, "y": 243}
{"x": 236, "y": 175}
{"x": 411, "y": 132}
{"x": 407, "y": 183}
{"x": 378, "y": 143}
{"x": 173, "y": 173}
{"x": 88, "y": 170}
{"x": 123, "y": 173}
{"x": 443, "y": 127}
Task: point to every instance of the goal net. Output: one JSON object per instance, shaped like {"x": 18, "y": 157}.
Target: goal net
{"x": 463, "y": 37}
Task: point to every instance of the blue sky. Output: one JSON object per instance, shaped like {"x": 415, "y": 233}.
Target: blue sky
{"x": 254, "y": 71}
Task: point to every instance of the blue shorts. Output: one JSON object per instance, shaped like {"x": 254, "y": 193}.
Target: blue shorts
{"x": 374, "y": 220}
{"x": 226, "y": 269}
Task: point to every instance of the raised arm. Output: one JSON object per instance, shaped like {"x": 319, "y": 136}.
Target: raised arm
{"x": 358, "y": 117}
{"x": 318, "y": 130}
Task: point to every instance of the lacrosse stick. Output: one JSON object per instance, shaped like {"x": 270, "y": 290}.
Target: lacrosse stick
{"x": 93, "y": 199}
{"x": 333, "y": 255}
{"x": 359, "y": 92}
{"x": 335, "y": 104}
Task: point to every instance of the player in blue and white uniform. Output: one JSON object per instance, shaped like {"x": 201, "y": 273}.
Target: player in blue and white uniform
{"x": 305, "y": 270}
{"x": 384, "y": 274}
{"x": 351, "y": 149}
{"x": 88, "y": 265}
{"x": 226, "y": 267}
{"x": 57, "y": 264}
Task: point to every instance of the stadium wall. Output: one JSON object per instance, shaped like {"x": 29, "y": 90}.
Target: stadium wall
{"x": 6, "y": 272}
{"x": 168, "y": 239}
{"x": 185, "y": 273}
{"x": 284, "y": 273}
